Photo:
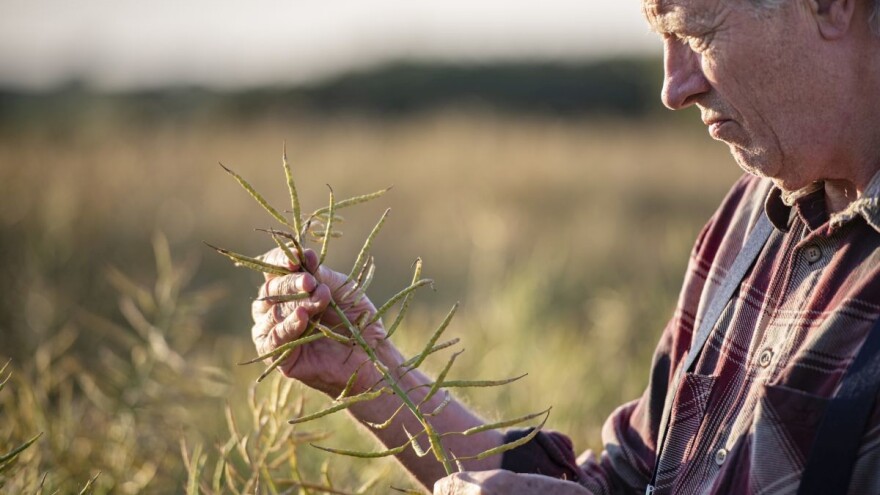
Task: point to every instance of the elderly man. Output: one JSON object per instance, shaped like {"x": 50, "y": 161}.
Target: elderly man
{"x": 782, "y": 291}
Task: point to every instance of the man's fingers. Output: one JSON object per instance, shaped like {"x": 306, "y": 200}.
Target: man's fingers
{"x": 457, "y": 484}
{"x": 259, "y": 309}
{"x": 500, "y": 481}
{"x": 270, "y": 332}
{"x": 295, "y": 283}
{"x": 277, "y": 257}
{"x": 315, "y": 303}
{"x": 291, "y": 327}
{"x": 311, "y": 260}
{"x": 260, "y": 333}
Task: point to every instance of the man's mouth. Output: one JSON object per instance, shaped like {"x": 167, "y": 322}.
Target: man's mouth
{"x": 717, "y": 125}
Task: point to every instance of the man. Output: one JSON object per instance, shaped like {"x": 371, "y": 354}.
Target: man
{"x": 793, "y": 87}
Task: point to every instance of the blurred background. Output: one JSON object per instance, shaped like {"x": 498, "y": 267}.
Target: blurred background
{"x": 534, "y": 169}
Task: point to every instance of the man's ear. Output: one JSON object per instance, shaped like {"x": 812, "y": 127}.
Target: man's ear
{"x": 834, "y": 18}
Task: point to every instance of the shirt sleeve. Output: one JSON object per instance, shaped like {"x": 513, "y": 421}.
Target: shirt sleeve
{"x": 629, "y": 436}
{"x": 550, "y": 453}
{"x": 630, "y": 433}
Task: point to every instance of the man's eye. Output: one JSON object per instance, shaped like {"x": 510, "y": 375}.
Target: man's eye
{"x": 696, "y": 43}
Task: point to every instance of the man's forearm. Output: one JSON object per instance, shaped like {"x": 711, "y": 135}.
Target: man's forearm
{"x": 453, "y": 418}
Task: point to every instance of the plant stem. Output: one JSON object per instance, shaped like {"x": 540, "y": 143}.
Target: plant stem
{"x": 439, "y": 451}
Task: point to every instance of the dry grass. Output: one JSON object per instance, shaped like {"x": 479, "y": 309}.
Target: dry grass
{"x": 565, "y": 240}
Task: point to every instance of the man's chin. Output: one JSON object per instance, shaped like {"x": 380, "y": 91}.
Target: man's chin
{"x": 755, "y": 163}
{"x": 772, "y": 171}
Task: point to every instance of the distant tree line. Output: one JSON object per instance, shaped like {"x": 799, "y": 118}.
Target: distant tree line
{"x": 618, "y": 87}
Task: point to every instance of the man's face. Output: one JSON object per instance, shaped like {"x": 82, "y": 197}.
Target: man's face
{"x": 748, "y": 72}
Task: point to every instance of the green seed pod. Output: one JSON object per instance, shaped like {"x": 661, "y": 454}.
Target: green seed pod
{"x": 343, "y": 404}
{"x": 291, "y": 188}
{"x": 510, "y": 445}
{"x": 252, "y": 263}
{"x": 361, "y": 258}
{"x": 364, "y": 455}
{"x": 258, "y": 197}
{"x": 345, "y": 203}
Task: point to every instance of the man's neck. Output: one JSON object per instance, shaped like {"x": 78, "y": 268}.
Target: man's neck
{"x": 839, "y": 193}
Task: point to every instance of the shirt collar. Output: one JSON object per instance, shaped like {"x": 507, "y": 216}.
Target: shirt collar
{"x": 809, "y": 204}
{"x": 867, "y": 207}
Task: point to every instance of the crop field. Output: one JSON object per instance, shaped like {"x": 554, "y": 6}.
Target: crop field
{"x": 565, "y": 241}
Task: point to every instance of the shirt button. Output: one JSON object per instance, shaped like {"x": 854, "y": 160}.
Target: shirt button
{"x": 813, "y": 253}
{"x": 720, "y": 456}
{"x": 765, "y": 358}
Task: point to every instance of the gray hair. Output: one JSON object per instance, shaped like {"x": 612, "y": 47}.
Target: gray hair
{"x": 874, "y": 19}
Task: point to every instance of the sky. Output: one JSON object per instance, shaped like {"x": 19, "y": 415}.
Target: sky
{"x": 127, "y": 44}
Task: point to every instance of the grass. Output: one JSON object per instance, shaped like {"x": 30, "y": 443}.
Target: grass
{"x": 565, "y": 241}
{"x": 302, "y": 227}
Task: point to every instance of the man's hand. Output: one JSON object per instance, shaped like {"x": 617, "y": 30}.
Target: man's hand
{"x": 324, "y": 364}
{"x": 501, "y": 482}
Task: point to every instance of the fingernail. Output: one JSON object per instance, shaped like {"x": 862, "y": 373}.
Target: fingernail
{"x": 311, "y": 259}
{"x": 309, "y": 283}
{"x": 302, "y": 313}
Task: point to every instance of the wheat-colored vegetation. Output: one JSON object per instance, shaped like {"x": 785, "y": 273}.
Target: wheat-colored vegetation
{"x": 318, "y": 227}
{"x": 565, "y": 241}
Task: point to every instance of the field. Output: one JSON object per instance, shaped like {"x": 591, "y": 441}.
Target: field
{"x": 564, "y": 239}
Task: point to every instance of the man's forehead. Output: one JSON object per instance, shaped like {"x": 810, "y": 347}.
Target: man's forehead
{"x": 671, "y": 16}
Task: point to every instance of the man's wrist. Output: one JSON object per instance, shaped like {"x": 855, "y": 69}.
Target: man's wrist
{"x": 370, "y": 377}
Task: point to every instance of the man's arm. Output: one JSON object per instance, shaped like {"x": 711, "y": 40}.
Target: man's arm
{"x": 502, "y": 482}
{"x": 454, "y": 417}
{"x": 326, "y": 365}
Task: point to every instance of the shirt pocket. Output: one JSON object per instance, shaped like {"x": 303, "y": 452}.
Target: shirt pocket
{"x": 688, "y": 410}
{"x": 782, "y": 434}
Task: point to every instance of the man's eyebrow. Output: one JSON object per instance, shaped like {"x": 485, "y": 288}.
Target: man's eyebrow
{"x": 663, "y": 16}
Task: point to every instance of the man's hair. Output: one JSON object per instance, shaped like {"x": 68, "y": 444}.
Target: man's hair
{"x": 874, "y": 19}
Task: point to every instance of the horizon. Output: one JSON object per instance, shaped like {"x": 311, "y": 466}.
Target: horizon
{"x": 128, "y": 46}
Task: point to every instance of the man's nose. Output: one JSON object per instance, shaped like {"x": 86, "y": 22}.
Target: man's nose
{"x": 684, "y": 80}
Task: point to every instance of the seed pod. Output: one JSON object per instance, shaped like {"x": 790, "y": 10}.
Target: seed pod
{"x": 3, "y": 370}
{"x": 397, "y": 297}
{"x": 252, "y": 263}
{"x": 283, "y": 298}
{"x": 300, "y": 254}
{"x": 286, "y": 249}
{"x": 5, "y": 458}
{"x": 291, "y": 188}
{"x": 364, "y": 455}
{"x": 330, "y": 334}
{"x": 438, "y": 347}
{"x": 415, "y": 443}
{"x": 284, "y": 355}
{"x": 330, "y": 211}
{"x": 417, "y": 273}
{"x": 506, "y": 423}
{"x": 361, "y": 258}
{"x": 387, "y": 423}
{"x": 446, "y": 401}
{"x": 343, "y": 404}
{"x": 348, "y": 385}
{"x": 436, "y": 386}
{"x": 258, "y": 197}
{"x": 345, "y": 203}
{"x": 510, "y": 445}
{"x": 433, "y": 340}
{"x": 280, "y": 349}
{"x": 479, "y": 383}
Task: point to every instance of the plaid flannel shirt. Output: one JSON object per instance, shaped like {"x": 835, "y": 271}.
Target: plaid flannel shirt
{"x": 744, "y": 420}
